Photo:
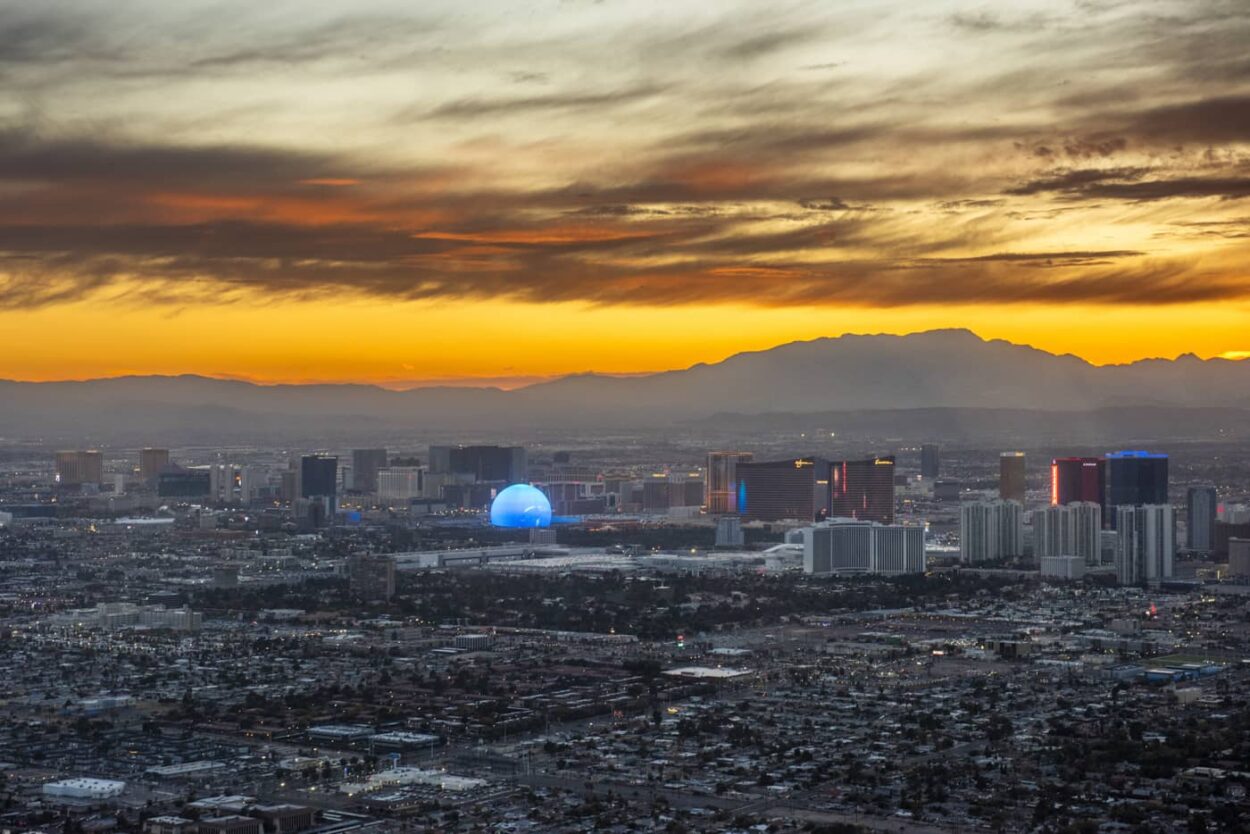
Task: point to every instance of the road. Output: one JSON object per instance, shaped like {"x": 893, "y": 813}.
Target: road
{"x": 678, "y": 799}
{"x": 766, "y": 807}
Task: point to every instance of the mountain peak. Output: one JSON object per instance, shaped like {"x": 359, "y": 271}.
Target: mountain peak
{"x": 951, "y": 368}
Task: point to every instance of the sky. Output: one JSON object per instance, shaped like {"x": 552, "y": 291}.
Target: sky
{"x": 494, "y": 192}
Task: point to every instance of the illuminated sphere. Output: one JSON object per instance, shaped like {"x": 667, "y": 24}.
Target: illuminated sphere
{"x": 520, "y": 505}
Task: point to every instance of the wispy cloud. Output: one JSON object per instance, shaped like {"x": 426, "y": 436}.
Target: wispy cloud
{"x": 590, "y": 152}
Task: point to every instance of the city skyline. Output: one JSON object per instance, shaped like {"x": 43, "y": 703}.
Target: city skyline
{"x": 570, "y": 416}
{"x": 310, "y": 192}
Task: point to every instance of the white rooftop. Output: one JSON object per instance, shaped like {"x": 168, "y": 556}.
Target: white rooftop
{"x": 708, "y": 672}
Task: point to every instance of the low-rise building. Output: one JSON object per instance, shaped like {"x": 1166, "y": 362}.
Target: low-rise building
{"x": 84, "y": 788}
{"x": 1063, "y": 567}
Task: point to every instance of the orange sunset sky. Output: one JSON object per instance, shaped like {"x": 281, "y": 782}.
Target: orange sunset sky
{"x": 496, "y": 192}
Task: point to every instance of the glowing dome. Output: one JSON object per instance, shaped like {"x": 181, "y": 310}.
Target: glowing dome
{"x": 520, "y": 505}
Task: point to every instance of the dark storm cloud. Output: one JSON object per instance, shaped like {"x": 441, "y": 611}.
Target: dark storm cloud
{"x": 1042, "y": 258}
{"x": 1205, "y": 43}
{"x": 974, "y": 203}
{"x": 1234, "y": 229}
{"x": 1075, "y": 181}
{"x": 1167, "y": 283}
{"x": 473, "y": 108}
{"x": 766, "y": 43}
{"x": 25, "y": 155}
{"x": 488, "y": 252}
{"x": 121, "y": 42}
{"x": 784, "y": 138}
{"x": 881, "y": 284}
{"x": 734, "y": 177}
{"x": 1077, "y": 147}
{"x": 350, "y": 37}
{"x": 223, "y": 241}
{"x": 1106, "y": 130}
{"x": 1227, "y": 188}
{"x": 1209, "y": 121}
{"x": 618, "y": 210}
{"x": 981, "y": 21}
{"x": 320, "y": 261}
{"x": 779, "y": 246}
{"x": 861, "y": 284}
{"x": 44, "y": 282}
{"x": 529, "y": 77}
{"x": 35, "y": 33}
{"x": 831, "y": 204}
{"x": 1101, "y": 126}
{"x": 1129, "y": 184}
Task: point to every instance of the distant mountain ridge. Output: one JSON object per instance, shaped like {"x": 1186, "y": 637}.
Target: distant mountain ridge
{"x": 933, "y": 369}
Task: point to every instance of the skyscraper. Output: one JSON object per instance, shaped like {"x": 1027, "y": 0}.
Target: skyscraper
{"x": 898, "y": 549}
{"x": 841, "y": 546}
{"x": 1011, "y": 476}
{"x": 1145, "y": 544}
{"x": 990, "y": 531}
{"x": 365, "y": 466}
{"x": 79, "y": 467}
{"x": 838, "y": 547}
{"x": 1225, "y": 533}
{"x": 783, "y": 489}
{"x": 400, "y": 483}
{"x": 318, "y": 476}
{"x": 862, "y": 489}
{"x": 656, "y": 495}
{"x": 1201, "y": 505}
{"x": 176, "y": 482}
{"x": 253, "y": 480}
{"x": 151, "y": 462}
{"x": 1078, "y": 479}
{"x": 930, "y": 461}
{"x": 685, "y": 489}
{"x": 1070, "y": 530}
{"x": 1239, "y": 557}
{"x": 1135, "y": 479}
{"x": 504, "y": 464}
{"x": 721, "y": 496}
{"x": 221, "y": 482}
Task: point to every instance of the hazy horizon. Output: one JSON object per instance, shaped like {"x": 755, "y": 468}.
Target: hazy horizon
{"x": 510, "y": 383}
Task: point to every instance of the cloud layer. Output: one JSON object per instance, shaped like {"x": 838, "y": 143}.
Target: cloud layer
{"x": 624, "y": 153}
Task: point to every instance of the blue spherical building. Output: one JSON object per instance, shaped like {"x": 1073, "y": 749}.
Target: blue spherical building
{"x": 520, "y": 505}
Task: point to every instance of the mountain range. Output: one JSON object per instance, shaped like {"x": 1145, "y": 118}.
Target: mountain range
{"x": 938, "y": 369}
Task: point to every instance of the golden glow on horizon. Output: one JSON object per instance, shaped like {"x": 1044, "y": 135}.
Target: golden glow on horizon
{"x": 509, "y": 343}
{"x": 267, "y": 195}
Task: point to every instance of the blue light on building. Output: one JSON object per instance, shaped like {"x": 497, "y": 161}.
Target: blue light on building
{"x": 520, "y": 505}
{"x": 1135, "y": 478}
